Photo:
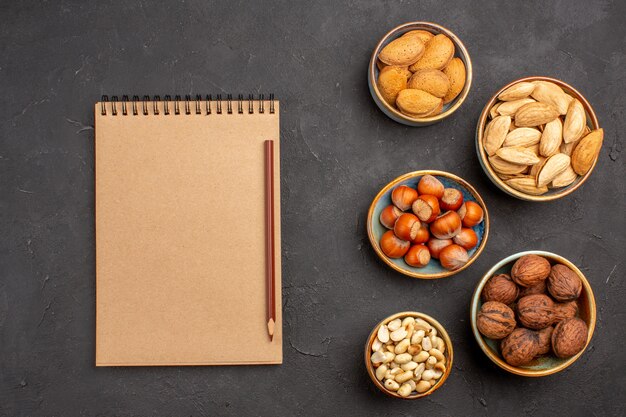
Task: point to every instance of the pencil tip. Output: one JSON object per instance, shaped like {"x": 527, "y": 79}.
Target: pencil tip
{"x": 270, "y": 328}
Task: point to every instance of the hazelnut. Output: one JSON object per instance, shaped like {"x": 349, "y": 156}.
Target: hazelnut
{"x": 569, "y": 337}
{"x": 403, "y": 196}
{"x": 426, "y": 207}
{"x": 466, "y": 238}
{"x": 453, "y": 257}
{"x": 418, "y": 256}
{"x": 430, "y": 185}
{"x": 564, "y": 311}
{"x": 393, "y": 246}
{"x": 520, "y": 347}
{"x": 423, "y": 234}
{"x": 435, "y": 246}
{"x": 446, "y": 226}
{"x": 451, "y": 199}
{"x": 539, "y": 288}
{"x": 545, "y": 340}
{"x": 535, "y": 311}
{"x": 530, "y": 270}
{"x": 495, "y": 320}
{"x": 563, "y": 283}
{"x": 471, "y": 213}
{"x": 389, "y": 215}
{"x": 500, "y": 288}
{"x": 407, "y": 226}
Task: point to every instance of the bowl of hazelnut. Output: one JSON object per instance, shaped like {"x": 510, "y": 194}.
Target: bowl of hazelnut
{"x": 428, "y": 224}
{"x": 419, "y": 73}
{"x": 408, "y": 355}
{"x": 533, "y": 314}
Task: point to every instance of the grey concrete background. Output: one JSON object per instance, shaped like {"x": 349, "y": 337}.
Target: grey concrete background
{"x": 338, "y": 149}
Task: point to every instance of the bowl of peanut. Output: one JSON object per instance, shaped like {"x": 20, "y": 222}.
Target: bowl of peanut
{"x": 408, "y": 355}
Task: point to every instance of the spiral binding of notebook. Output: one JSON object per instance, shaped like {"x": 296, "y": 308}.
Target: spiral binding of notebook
{"x": 199, "y": 105}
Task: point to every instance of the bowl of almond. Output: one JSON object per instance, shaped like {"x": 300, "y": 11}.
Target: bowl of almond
{"x": 419, "y": 73}
{"x": 538, "y": 139}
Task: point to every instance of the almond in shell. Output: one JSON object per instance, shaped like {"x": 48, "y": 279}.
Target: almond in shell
{"x": 422, "y": 35}
{"x": 432, "y": 81}
{"x": 418, "y": 103}
{"x": 550, "y": 93}
{"x": 455, "y": 71}
{"x": 518, "y": 155}
{"x": 392, "y": 80}
{"x": 522, "y": 136}
{"x": 437, "y": 54}
{"x": 553, "y": 166}
{"x": 526, "y": 185}
{"x": 551, "y": 138}
{"x": 586, "y": 152}
{"x": 509, "y": 108}
{"x": 575, "y": 121}
{"x": 517, "y": 91}
{"x": 565, "y": 178}
{"x": 402, "y": 51}
{"x": 535, "y": 114}
{"x": 493, "y": 111}
{"x": 505, "y": 167}
{"x": 534, "y": 170}
{"x": 495, "y": 133}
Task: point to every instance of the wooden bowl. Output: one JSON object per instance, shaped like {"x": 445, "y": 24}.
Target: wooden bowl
{"x": 543, "y": 365}
{"x": 448, "y": 109}
{"x": 441, "y": 332}
{"x": 434, "y": 269}
{"x": 552, "y": 194}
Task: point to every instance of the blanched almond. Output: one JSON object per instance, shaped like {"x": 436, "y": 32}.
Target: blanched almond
{"x": 553, "y": 166}
{"x": 535, "y": 114}
{"x": 517, "y": 91}
{"x": 518, "y": 155}
{"x": 565, "y": 178}
{"x": 575, "y": 122}
{"x": 495, "y": 133}
{"x": 509, "y": 108}
{"x": 551, "y": 138}
{"x": 522, "y": 136}
{"x": 550, "y": 93}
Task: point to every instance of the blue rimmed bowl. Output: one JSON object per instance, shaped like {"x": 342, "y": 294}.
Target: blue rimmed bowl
{"x": 434, "y": 269}
{"x": 546, "y": 364}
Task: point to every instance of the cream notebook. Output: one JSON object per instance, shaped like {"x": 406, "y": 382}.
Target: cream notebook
{"x": 180, "y": 232}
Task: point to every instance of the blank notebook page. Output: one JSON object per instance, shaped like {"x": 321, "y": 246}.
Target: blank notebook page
{"x": 180, "y": 235}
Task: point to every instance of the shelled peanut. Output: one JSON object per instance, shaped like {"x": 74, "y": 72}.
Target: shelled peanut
{"x": 538, "y": 137}
{"x": 430, "y": 222}
{"x": 419, "y": 73}
{"x": 533, "y": 311}
{"x": 408, "y": 356}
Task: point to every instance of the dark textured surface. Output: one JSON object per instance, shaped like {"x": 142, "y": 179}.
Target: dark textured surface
{"x": 57, "y": 58}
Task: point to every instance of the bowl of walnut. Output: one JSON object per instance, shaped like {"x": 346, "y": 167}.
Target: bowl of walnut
{"x": 533, "y": 313}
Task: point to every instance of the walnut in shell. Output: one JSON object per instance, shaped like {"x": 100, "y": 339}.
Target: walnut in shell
{"x": 569, "y": 337}
{"x": 563, "y": 283}
{"x": 500, "y": 288}
{"x": 564, "y": 311}
{"x": 520, "y": 347}
{"x": 545, "y": 340}
{"x": 530, "y": 270}
{"x": 535, "y": 311}
{"x": 495, "y": 320}
{"x": 539, "y": 288}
